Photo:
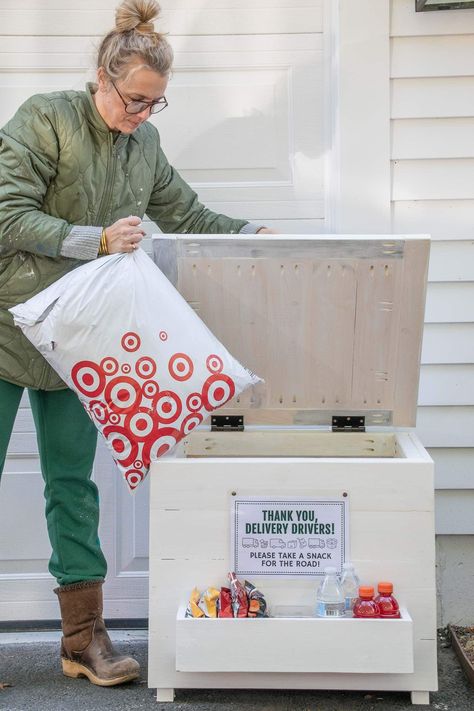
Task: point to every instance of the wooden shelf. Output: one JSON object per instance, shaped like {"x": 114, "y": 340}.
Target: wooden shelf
{"x": 294, "y": 644}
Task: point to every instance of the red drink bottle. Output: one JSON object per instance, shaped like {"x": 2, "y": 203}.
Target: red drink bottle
{"x": 365, "y": 605}
{"x": 387, "y": 603}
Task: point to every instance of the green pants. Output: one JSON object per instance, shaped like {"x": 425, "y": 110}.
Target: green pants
{"x": 67, "y": 441}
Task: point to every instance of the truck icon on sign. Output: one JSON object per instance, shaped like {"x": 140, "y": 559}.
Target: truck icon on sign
{"x": 316, "y": 543}
{"x": 250, "y": 542}
{"x": 277, "y": 543}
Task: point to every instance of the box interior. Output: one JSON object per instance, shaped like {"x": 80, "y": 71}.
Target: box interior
{"x": 291, "y": 443}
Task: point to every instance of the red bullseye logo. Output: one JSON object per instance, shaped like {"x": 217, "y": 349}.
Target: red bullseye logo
{"x": 88, "y": 378}
{"x": 163, "y": 336}
{"x": 145, "y": 367}
{"x": 218, "y": 389}
{"x": 168, "y": 406}
{"x": 141, "y": 424}
{"x": 99, "y": 410}
{"x": 133, "y": 477}
{"x": 190, "y": 422}
{"x": 122, "y": 394}
{"x": 109, "y": 366}
{"x": 194, "y": 402}
{"x": 131, "y": 342}
{"x": 214, "y": 364}
{"x": 180, "y": 367}
{"x": 124, "y": 448}
{"x": 150, "y": 389}
{"x": 159, "y": 444}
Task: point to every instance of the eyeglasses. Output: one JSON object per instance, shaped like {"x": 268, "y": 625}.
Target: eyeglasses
{"x": 136, "y": 107}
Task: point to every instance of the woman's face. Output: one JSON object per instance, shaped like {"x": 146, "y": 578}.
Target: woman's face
{"x": 140, "y": 84}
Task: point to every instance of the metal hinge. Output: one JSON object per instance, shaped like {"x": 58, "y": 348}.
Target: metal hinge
{"x": 227, "y": 423}
{"x": 348, "y": 423}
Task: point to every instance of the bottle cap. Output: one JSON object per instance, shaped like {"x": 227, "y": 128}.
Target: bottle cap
{"x": 330, "y": 570}
{"x": 366, "y": 591}
{"x": 385, "y": 587}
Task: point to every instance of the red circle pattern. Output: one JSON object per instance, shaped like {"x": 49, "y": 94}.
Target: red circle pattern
{"x": 139, "y": 421}
{"x": 131, "y": 342}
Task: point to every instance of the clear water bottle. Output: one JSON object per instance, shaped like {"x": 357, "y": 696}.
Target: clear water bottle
{"x": 350, "y": 587}
{"x": 329, "y": 597}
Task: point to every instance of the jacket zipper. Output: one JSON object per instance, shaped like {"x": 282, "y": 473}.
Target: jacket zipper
{"x": 109, "y": 183}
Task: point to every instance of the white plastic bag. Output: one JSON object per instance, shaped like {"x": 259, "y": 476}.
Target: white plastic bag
{"x": 144, "y": 365}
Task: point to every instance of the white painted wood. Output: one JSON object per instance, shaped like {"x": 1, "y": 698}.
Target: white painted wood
{"x": 343, "y": 646}
{"x": 164, "y": 695}
{"x": 446, "y": 385}
{"x": 29, "y": 547}
{"x": 363, "y": 117}
{"x": 442, "y": 219}
{"x": 452, "y": 261}
{"x": 406, "y": 22}
{"x": 289, "y": 227}
{"x": 432, "y": 179}
{"x": 184, "y": 17}
{"x": 398, "y": 496}
{"x": 449, "y": 426}
{"x": 454, "y": 512}
{"x": 441, "y": 56}
{"x": 290, "y": 443}
{"x": 280, "y": 593}
{"x": 249, "y": 138}
{"x": 386, "y": 539}
{"x": 450, "y": 302}
{"x": 431, "y": 97}
{"x": 422, "y": 698}
{"x": 454, "y": 467}
{"x": 357, "y": 291}
{"x": 433, "y": 138}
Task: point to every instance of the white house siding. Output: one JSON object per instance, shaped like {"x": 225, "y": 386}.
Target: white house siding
{"x": 245, "y": 126}
{"x": 432, "y": 161}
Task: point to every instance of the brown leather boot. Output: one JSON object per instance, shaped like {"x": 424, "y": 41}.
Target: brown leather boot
{"x": 86, "y": 649}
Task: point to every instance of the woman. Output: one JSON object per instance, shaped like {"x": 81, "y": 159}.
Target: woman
{"x": 78, "y": 172}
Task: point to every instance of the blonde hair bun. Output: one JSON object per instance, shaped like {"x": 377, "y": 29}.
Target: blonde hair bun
{"x": 136, "y": 15}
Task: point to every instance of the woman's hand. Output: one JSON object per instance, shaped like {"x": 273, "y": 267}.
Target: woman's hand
{"x": 267, "y": 231}
{"x": 124, "y": 235}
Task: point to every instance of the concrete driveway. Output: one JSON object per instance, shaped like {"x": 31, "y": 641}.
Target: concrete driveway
{"x": 37, "y": 684}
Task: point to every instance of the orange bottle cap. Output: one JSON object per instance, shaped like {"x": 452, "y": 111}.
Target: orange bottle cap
{"x": 385, "y": 587}
{"x": 366, "y": 591}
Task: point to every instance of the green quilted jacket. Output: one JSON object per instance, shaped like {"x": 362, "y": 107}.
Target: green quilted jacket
{"x": 60, "y": 166}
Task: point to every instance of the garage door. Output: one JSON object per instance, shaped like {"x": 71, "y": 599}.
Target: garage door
{"x": 245, "y": 126}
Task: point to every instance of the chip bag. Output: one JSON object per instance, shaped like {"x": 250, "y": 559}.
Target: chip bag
{"x": 145, "y": 367}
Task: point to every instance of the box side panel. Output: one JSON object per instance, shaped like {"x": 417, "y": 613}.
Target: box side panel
{"x": 391, "y": 534}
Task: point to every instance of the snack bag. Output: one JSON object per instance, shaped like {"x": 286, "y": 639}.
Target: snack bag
{"x": 208, "y": 602}
{"x": 193, "y": 609}
{"x": 225, "y": 603}
{"x": 257, "y": 602}
{"x": 145, "y": 367}
{"x": 240, "y": 605}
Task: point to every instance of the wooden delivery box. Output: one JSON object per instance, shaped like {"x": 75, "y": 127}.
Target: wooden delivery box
{"x": 334, "y": 325}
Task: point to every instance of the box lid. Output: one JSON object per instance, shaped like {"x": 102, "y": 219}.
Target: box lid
{"x": 333, "y": 323}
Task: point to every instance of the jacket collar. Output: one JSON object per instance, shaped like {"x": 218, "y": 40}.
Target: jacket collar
{"x": 96, "y": 120}
{"x": 93, "y": 116}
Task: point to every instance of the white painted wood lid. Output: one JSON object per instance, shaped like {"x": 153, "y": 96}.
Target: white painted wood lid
{"x": 333, "y": 323}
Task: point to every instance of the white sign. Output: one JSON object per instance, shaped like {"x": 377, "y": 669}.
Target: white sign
{"x": 288, "y": 537}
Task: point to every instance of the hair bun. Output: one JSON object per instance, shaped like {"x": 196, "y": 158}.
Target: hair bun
{"x": 136, "y": 15}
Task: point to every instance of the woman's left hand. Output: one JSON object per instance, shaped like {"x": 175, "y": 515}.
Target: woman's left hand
{"x": 267, "y": 231}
